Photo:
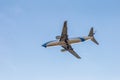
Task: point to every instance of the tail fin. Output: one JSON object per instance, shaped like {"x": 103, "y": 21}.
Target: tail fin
{"x": 91, "y": 34}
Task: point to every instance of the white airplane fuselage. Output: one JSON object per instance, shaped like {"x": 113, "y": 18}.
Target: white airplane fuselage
{"x": 70, "y": 41}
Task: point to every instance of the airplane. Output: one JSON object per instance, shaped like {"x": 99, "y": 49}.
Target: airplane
{"x": 66, "y": 42}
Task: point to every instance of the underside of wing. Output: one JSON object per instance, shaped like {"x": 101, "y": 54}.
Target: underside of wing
{"x": 64, "y": 35}
{"x": 74, "y": 53}
{"x": 70, "y": 49}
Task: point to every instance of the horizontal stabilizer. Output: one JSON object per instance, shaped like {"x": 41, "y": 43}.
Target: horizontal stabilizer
{"x": 94, "y": 40}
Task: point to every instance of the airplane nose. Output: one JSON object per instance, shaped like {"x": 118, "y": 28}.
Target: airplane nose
{"x": 44, "y": 45}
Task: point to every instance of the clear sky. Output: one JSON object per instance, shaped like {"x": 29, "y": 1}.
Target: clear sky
{"x": 26, "y": 24}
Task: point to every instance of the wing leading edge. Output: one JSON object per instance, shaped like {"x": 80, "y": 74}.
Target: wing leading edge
{"x": 64, "y": 37}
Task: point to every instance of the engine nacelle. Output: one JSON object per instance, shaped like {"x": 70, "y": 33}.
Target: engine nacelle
{"x": 58, "y": 37}
{"x": 63, "y": 50}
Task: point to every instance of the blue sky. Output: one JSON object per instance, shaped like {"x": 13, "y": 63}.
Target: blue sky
{"x": 26, "y": 24}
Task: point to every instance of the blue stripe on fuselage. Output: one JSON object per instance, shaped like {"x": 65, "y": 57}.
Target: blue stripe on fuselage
{"x": 82, "y": 39}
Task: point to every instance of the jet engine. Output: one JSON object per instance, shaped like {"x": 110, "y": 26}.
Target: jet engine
{"x": 58, "y": 37}
{"x": 63, "y": 50}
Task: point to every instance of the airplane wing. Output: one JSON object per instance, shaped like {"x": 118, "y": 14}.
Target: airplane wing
{"x": 70, "y": 49}
{"x": 64, "y": 35}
